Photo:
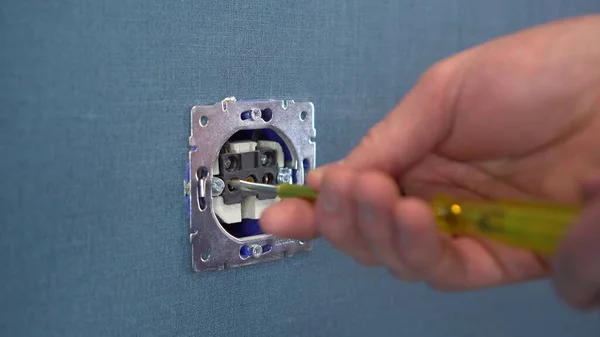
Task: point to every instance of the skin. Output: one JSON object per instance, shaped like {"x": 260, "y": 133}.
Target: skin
{"x": 517, "y": 117}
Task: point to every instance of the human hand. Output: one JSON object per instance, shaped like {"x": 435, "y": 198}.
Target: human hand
{"x": 518, "y": 117}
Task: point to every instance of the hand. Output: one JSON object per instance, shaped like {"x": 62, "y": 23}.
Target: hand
{"x": 518, "y": 117}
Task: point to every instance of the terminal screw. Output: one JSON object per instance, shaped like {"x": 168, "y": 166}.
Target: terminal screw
{"x": 284, "y": 176}
{"x": 217, "y": 186}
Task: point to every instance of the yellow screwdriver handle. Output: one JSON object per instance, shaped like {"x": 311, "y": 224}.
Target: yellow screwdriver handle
{"x": 297, "y": 191}
{"x": 535, "y": 226}
{"x": 530, "y": 225}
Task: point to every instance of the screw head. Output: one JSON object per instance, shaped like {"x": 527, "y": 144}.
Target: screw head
{"x": 255, "y": 114}
{"x": 256, "y": 251}
{"x": 266, "y": 158}
{"x": 284, "y": 176}
{"x": 217, "y": 186}
{"x": 230, "y": 163}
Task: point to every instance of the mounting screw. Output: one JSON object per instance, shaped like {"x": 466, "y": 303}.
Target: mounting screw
{"x": 217, "y": 186}
{"x": 284, "y": 176}
{"x": 256, "y": 251}
{"x": 255, "y": 114}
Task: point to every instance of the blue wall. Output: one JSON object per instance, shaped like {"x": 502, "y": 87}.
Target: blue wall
{"x": 94, "y": 108}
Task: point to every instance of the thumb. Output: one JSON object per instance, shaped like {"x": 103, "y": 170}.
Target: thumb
{"x": 412, "y": 129}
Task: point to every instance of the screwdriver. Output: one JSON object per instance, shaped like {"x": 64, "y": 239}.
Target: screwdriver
{"x": 530, "y": 225}
{"x": 283, "y": 191}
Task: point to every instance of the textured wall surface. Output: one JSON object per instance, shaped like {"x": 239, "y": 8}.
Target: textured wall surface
{"x": 94, "y": 108}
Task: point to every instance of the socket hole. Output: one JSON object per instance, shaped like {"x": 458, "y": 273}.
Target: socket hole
{"x": 229, "y": 187}
{"x": 268, "y": 178}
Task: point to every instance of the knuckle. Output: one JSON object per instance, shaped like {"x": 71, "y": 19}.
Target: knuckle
{"x": 366, "y": 154}
{"x": 438, "y": 74}
{"x": 442, "y": 84}
{"x": 371, "y": 138}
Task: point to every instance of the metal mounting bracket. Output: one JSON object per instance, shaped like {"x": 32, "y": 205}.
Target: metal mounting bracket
{"x": 213, "y": 247}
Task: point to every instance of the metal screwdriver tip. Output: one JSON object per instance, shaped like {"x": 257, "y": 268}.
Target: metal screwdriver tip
{"x": 249, "y": 186}
{"x": 235, "y": 184}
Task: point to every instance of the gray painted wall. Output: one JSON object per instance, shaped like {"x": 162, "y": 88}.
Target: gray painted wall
{"x": 94, "y": 106}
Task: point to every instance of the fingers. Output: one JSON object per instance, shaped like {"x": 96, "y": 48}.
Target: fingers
{"x": 290, "y": 218}
{"x": 362, "y": 214}
{"x": 449, "y": 264}
{"x": 334, "y": 216}
{"x": 577, "y": 266}
{"x": 294, "y": 218}
{"x": 376, "y": 195}
{"x": 417, "y": 241}
{"x": 336, "y": 212}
